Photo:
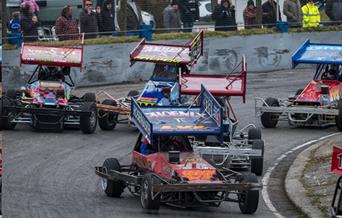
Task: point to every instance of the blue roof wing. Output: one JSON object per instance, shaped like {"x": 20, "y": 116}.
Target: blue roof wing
{"x": 316, "y": 53}
{"x": 176, "y": 120}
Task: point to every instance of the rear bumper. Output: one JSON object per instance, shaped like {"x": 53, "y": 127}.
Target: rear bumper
{"x": 262, "y": 107}
{"x": 46, "y": 111}
{"x": 206, "y": 187}
{"x": 179, "y": 187}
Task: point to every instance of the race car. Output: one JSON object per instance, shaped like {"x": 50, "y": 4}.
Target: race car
{"x": 46, "y": 102}
{"x": 223, "y": 87}
{"x": 319, "y": 103}
{"x": 335, "y": 209}
{"x": 165, "y": 167}
{"x": 162, "y": 89}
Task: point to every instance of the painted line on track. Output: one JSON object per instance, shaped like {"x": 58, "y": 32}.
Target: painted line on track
{"x": 266, "y": 178}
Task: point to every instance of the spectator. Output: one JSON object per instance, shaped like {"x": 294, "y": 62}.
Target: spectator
{"x": 66, "y": 25}
{"x": 249, "y": 15}
{"x": 98, "y": 17}
{"x": 311, "y": 15}
{"x": 224, "y": 16}
{"x": 107, "y": 18}
{"x": 293, "y": 12}
{"x": 33, "y": 5}
{"x": 14, "y": 24}
{"x": 333, "y": 9}
{"x": 171, "y": 17}
{"x": 269, "y": 10}
{"x": 29, "y": 24}
{"x": 88, "y": 21}
{"x": 189, "y": 10}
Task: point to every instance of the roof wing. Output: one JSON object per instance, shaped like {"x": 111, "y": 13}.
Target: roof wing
{"x": 53, "y": 56}
{"x": 205, "y": 119}
{"x": 317, "y": 53}
{"x": 187, "y": 54}
{"x": 230, "y": 84}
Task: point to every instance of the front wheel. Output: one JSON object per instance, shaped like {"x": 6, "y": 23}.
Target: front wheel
{"x": 254, "y": 133}
{"x": 88, "y": 123}
{"x": 257, "y": 163}
{"x": 112, "y": 188}
{"x": 149, "y": 199}
{"x": 338, "y": 118}
{"x": 269, "y": 119}
{"x": 248, "y": 200}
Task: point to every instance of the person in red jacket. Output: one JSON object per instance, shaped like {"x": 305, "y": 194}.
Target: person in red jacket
{"x": 249, "y": 15}
{"x": 66, "y": 25}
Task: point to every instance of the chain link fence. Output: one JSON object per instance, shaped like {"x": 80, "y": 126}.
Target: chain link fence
{"x": 51, "y": 20}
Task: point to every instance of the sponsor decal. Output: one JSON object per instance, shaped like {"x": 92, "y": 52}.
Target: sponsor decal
{"x": 197, "y": 127}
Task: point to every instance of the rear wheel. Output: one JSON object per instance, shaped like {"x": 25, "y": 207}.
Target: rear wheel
{"x": 338, "y": 118}
{"x": 108, "y": 120}
{"x": 89, "y": 97}
{"x": 269, "y": 119}
{"x": 7, "y": 116}
{"x": 112, "y": 188}
{"x": 257, "y": 163}
{"x": 298, "y": 92}
{"x": 248, "y": 200}
{"x": 148, "y": 199}
{"x": 88, "y": 123}
{"x": 133, "y": 93}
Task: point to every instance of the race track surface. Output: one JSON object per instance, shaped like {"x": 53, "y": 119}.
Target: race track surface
{"x": 52, "y": 174}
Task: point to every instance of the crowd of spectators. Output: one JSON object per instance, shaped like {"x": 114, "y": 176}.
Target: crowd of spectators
{"x": 179, "y": 15}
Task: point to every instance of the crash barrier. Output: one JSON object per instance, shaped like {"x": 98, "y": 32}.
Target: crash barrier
{"x": 109, "y": 64}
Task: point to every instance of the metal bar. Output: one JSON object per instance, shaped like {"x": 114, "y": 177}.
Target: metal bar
{"x": 298, "y": 110}
{"x": 115, "y": 175}
{"x": 50, "y": 111}
{"x": 205, "y": 187}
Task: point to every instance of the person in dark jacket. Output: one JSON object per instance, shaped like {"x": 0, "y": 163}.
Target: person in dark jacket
{"x": 107, "y": 18}
{"x": 189, "y": 13}
{"x": 333, "y": 9}
{"x": 224, "y": 16}
{"x": 29, "y": 24}
{"x": 88, "y": 21}
{"x": 66, "y": 25}
{"x": 98, "y": 17}
{"x": 171, "y": 17}
{"x": 269, "y": 16}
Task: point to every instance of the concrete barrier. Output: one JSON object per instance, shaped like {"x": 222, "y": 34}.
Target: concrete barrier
{"x": 108, "y": 64}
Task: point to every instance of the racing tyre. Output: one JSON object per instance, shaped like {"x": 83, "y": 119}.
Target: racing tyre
{"x": 112, "y": 188}
{"x": 5, "y": 120}
{"x": 254, "y": 133}
{"x": 338, "y": 118}
{"x": 298, "y": 92}
{"x": 11, "y": 94}
{"x": 248, "y": 200}
{"x": 133, "y": 93}
{"x": 108, "y": 120}
{"x": 257, "y": 163}
{"x": 89, "y": 97}
{"x": 146, "y": 195}
{"x": 88, "y": 123}
{"x": 268, "y": 119}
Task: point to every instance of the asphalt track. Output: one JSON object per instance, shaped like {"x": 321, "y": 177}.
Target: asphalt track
{"x": 52, "y": 174}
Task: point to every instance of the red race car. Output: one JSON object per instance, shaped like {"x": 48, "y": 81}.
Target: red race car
{"x": 47, "y": 101}
{"x": 320, "y": 102}
{"x": 166, "y": 169}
